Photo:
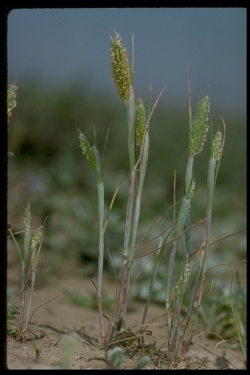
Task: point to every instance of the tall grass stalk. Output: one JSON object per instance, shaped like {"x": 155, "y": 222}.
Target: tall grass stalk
{"x": 36, "y": 243}
{"x": 138, "y": 124}
{"x": 215, "y": 156}
{"x": 93, "y": 156}
{"x": 197, "y": 135}
{"x": 138, "y": 133}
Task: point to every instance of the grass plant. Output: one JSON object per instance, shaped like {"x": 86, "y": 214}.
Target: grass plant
{"x": 138, "y": 135}
{"x": 180, "y": 328}
{"x": 28, "y": 255}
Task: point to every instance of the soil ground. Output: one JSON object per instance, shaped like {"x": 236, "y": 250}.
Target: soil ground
{"x": 68, "y": 336}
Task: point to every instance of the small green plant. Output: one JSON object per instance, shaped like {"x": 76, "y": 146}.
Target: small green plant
{"x": 29, "y": 261}
{"x": 115, "y": 358}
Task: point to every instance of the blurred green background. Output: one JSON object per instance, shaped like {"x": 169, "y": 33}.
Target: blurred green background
{"x": 48, "y": 170}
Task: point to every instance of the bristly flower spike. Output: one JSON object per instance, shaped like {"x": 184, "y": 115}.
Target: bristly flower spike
{"x": 216, "y": 147}
{"x": 87, "y": 150}
{"x": 120, "y": 68}
{"x": 200, "y": 127}
{"x": 140, "y": 121}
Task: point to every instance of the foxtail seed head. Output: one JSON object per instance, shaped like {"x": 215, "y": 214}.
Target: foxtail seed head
{"x": 190, "y": 192}
{"x": 216, "y": 147}
{"x": 27, "y": 215}
{"x": 200, "y": 126}
{"x": 183, "y": 279}
{"x": 35, "y": 242}
{"x": 37, "y": 236}
{"x": 140, "y": 121}
{"x": 120, "y": 68}
{"x": 87, "y": 150}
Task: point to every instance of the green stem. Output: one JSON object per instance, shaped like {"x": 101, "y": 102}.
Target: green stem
{"x": 188, "y": 179}
{"x": 100, "y": 189}
{"x": 185, "y": 346}
{"x": 210, "y": 192}
{"x": 118, "y": 315}
{"x": 131, "y": 129}
{"x": 189, "y": 173}
{"x": 178, "y": 229}
{"x": 124, "y": 273}
{"x": 136, "y": 215}
{"x": 31, "y": 290}
{"x": 143, "y": 168}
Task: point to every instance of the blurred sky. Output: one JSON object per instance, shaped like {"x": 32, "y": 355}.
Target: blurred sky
{"x": 59, "y": 45}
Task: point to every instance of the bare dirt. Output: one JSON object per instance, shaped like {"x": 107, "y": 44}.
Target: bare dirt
{"x": 68, "y": 336}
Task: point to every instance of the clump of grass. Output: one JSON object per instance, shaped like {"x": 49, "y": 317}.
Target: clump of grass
{"x": 178, "y": 343}
{"x": 136, "y": 119}
{"x": 28, "y": 255}
{"x": 180, "y": 329}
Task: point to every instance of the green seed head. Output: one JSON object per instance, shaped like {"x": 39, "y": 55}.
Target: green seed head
{"x": 35, "y": 243}
{"x": 200, "y": 126}
{"x": 37, "y": 236}
{"x": 87, "y": 150}
{"x": 216, "y": 147}
{"x": 27, "y": 215}
{"x": 120, "y": 68}
{"x": 140, "y": 121}
{"x": 190, "y": 192}
{"x": 11, "y": 102}
{"x": 183, "y": 279}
